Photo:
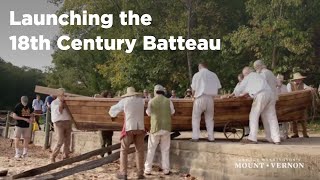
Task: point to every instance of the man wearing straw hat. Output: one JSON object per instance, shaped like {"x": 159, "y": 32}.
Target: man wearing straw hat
{"x": 284, "y": 127}
{"x": 160, "y": 108}
{"x": 133, "y": 130}
{"x": 297, "y": 84}
{"x": 62, "y": 124}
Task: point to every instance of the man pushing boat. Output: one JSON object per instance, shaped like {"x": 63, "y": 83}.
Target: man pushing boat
{"x": 205, "y": 85}
{"x": 263, "y": 104}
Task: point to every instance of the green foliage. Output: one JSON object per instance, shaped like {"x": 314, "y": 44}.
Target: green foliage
{"x": 285, "y": 33}
{"x": 16, "y": 82}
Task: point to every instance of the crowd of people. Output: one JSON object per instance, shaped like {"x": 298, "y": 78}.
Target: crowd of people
{"x": 257, "y": 83}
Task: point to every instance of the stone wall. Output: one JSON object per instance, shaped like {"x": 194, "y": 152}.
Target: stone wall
{"x": 222, "y": 160}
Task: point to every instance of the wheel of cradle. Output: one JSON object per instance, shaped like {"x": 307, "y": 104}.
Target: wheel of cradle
{"x": 234, "y": 130}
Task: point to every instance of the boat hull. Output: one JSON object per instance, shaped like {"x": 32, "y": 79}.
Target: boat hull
{"x": 92, "y": 113}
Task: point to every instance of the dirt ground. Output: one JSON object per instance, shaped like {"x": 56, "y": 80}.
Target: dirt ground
{"x": 39, "y": 157}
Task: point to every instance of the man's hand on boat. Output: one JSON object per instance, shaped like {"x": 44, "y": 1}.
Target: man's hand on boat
{"x": 226, "y": 96}
{"x": 113, "y": 118}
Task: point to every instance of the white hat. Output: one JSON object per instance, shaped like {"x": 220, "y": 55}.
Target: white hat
{"x": 297, "y": 76}
{"x": 158, "y": 87}
{"x": 131, "y": 92}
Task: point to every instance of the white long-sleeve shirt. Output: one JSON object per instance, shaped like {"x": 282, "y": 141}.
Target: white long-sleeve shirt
{"x": 252, "y": 84}
{"x": 205, "y": 82}
{"x": 133, "y": 108}
{"x": 55, "y": 113}
{"x": 271, "y": 80}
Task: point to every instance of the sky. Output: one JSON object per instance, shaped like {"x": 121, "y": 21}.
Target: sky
{"x": 35, "y": 59}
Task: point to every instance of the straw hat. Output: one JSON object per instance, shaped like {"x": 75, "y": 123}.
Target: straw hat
{"x": 297, "y": 76}
{"x": 130, "y": 92}
{"x": 280, "y": 77}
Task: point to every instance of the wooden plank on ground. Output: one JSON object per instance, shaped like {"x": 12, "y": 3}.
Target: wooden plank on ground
{"x": 49, "y": 167}
{"x": 49, "y": 91}
{"x": 84, "y": 167}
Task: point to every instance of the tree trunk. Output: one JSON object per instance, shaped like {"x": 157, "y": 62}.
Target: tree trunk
{"x": 189, "y": 5}
{"x": 274, "y": 57}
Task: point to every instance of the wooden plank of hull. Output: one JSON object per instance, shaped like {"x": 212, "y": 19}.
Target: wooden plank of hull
{"x": 91, "y": 113}
{"x": 49, "y": 91}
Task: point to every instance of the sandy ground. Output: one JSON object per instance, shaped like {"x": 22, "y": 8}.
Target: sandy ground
{"x": 39, "y": 157}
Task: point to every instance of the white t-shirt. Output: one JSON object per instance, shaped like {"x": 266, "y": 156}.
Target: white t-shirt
{"x": 205, "y": 82}
{"x": 37, "y": 104}
{"x": 55, "y": 113}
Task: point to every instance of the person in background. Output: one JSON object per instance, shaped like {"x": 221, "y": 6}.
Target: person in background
{"x": 47, "y": 107}
{"x": 297, "y": 84}
{"x": 188, "y": 94}
{"x": 133, "y": 130}
{"x": 166, "y": 93}
{"x": 146, "y": 94}
{"x": 62, "y": 123}
{"x": 205, "y": 85}
{"x": 173, "y": 95}
{"x": 160, "y": 109}
{"x": 263, "y": 105}
{"x": 37, "y": 107}
{"x": 106, "y": 136}
{"x": 23, "y": 115}
{"x": 284, "y": 127}
{"x": 240, "y": 78}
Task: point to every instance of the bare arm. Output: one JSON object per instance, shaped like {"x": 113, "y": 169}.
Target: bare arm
{"x": 16, "y": 117}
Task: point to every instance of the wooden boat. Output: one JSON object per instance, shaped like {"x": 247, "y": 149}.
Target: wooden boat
{"x": 230, "y": 114}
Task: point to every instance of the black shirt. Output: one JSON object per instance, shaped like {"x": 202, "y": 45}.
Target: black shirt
{"x": 23, "y": 111}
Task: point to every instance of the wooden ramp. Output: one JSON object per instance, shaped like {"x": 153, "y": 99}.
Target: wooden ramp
{"x": 70, "y": 171}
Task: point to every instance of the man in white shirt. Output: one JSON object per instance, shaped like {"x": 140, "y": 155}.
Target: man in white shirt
{"x": 263, "y": 104}
{"x": 62, "y": 125}
{"x": 297, "y": 84}
{"x": 205, "y": 85}
{"x": 133, "y": 130}
{"x": 160, "y": 108}
{"x": 37, "y": 107}
{"x": 268, "y": 75}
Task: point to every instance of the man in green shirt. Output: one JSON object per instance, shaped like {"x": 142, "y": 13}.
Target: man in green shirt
{"x": 160, "y": 108}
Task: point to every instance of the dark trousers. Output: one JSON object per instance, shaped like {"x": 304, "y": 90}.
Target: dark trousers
{"x": 106, "y": 139}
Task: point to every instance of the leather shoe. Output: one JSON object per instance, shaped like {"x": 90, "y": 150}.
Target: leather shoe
{"x": 122, "y": 176}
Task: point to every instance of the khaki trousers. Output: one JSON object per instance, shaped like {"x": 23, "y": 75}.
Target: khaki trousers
{"x": 63, "y": 130}
{"x": 303, "y": 125}
{"x": 137, "y": 138}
